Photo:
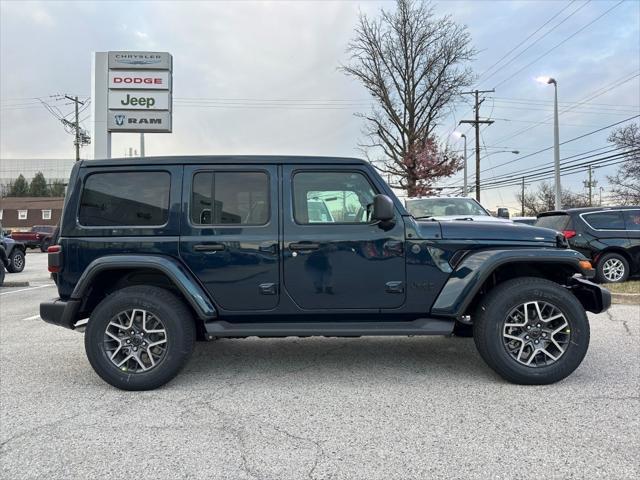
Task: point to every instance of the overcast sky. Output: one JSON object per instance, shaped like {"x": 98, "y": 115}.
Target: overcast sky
{"x": 262, "y": 78}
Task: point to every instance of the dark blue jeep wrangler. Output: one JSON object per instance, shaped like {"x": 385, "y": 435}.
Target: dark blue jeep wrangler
{"x": 155, "y": 253}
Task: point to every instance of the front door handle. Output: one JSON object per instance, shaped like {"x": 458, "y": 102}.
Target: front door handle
{"x": 209, "y": 247}
{"x": 268, "y": 247}
{"x": 304, "y": 246}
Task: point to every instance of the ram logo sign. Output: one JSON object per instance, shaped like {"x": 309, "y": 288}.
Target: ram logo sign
{"x": 139, "y": 121}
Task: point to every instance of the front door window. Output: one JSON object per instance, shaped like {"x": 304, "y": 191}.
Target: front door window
{"x": 331, "y": 197}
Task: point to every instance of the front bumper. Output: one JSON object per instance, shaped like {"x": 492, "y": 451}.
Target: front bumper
{"x": 593, "y": 297}
{"x": 60, "y": 312}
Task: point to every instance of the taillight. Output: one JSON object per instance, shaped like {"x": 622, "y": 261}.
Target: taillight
{"x": 55, "y": 253}
{"x": 569, "y": 234}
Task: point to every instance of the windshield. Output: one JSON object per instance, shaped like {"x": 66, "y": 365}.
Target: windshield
{"x": 440, "y": 207}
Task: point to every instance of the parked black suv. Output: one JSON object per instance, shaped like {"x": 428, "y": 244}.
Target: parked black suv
{"x": 608, "y": 236}
{"x": 156, "y": 252}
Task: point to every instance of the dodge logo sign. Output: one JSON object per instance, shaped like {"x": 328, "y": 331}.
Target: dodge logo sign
{"x": 148, "y": 80}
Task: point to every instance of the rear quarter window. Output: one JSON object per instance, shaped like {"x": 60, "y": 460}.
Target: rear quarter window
{"x": 555, "y": 222}
{"x": 125, "y": 199}
{"x": 632, "y": 220}
{"x": 604, "y": 220}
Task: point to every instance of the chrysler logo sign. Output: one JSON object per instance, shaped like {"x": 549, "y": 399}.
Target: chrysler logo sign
{"x": 139, "y": 121}
{"x": 140, "y": 60}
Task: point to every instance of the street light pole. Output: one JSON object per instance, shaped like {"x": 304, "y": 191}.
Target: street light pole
{"x": 556, "y": 145}
{"x": 556, "y": 139}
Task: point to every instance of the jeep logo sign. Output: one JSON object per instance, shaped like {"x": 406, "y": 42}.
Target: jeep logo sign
{"x": 138, "y": 100}
{"x": 121, "y": 79}
{"x": 139, "y": 121}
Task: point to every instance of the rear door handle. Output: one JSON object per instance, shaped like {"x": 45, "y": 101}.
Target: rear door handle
{"x": 209, "y": 247}
{"x": 304, "y": 246}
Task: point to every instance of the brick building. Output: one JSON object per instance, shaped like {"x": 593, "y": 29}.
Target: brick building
{"x": 22, "y": 213}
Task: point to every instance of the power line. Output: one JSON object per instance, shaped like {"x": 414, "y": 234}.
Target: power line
{"x": 569, "y": 141}
{"x": 576, "y": 163}
{"x": 526, "y": 39}
{"x": 559, "y": 44}
{"x": 538, "y": 40}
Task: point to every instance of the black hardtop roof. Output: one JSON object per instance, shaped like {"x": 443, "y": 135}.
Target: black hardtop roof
{"x": 569, "y": 211}
{"x": 224, "y": 159}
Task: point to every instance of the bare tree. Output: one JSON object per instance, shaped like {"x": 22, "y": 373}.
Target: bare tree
{"x": 413, "y": 64}
{"x": 625, "y": 184}
{"x": 543, "y": 200}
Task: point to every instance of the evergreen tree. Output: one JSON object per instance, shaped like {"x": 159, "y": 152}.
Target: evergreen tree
{"x": 19, "y": 188}
{"x": 38, "y": 187}
{"x": 57, "y": 189}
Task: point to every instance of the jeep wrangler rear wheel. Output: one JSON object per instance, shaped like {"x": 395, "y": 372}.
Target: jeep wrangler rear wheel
{"x": 139, "y": 338}
{"x": 531, "y": 331}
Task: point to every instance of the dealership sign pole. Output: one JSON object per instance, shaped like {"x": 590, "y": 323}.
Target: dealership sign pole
{"x": 132, "y": 93}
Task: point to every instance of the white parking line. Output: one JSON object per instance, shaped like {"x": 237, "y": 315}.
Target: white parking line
{"x": 35, "y": 317}
{"x": 27, "y": 289}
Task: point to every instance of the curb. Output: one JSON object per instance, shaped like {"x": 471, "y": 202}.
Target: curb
{"x": 625, "y": 298}
{"x": 15, "y": 284}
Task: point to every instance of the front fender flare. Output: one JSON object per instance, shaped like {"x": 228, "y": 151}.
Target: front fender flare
{"x": 181, "y": 278}
{"x": 474, "y": 269}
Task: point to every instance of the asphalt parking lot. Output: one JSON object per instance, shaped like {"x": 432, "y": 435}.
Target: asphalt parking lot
{"x": 373, "y": 408}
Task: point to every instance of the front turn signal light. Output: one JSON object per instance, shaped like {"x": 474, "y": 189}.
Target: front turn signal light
{"x": 585, "y": 265}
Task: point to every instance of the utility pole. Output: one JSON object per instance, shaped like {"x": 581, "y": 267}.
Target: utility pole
{"x": 75, "y": 125}
{"x": 523, "y": 196}
{"x": 591, "y": 184}
{"x": 476, "y": 123}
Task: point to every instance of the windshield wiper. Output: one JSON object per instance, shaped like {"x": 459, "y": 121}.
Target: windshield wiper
{"x": 424, "y": 217}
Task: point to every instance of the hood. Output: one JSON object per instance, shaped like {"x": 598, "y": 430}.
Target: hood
{"x": 497, "y": 231}
{"x": 475, "y": 218}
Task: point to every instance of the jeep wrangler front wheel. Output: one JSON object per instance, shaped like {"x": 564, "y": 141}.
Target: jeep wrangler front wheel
{"x": 531, "y": 331}
{"x": 139, "y": 337}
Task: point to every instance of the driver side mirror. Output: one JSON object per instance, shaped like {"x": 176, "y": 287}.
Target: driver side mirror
{"x": 383, "y": 211}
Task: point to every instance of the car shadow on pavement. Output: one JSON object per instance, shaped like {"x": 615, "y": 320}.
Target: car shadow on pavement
{"x": 338, "y": 359}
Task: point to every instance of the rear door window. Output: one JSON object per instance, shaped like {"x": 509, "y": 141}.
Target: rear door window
{"x": 555, "y": 222}
{"x": 632, "y": 219}
{"x": 230, "y": 198}
{"x": 125, "y": 199}
{"x": 604, "y": 220}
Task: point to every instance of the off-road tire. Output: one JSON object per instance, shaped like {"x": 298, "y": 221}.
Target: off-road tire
{"x": 180, "y": 333}
{"x": 608, "y": 257}
{"x": 17, "y": 261}
{"x": 491, "y": 316}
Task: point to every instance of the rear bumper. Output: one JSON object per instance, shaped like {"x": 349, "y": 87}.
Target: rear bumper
{"x": 593, "y": 297}
{"x": 60, "y": 312}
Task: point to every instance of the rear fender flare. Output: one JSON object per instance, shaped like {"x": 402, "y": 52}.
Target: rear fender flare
{"x": 179, "y": 276}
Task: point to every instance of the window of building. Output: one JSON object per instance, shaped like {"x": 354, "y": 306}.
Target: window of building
{"x": 22, "y": 214}
{"x": 331, "y": 197}
{"x": 605, "y": 220}
{"x": 228, "y": 198}
{"x": 1, "y": 214}
{"x": 125, "y": 199}
{"x": 46, "y": 214}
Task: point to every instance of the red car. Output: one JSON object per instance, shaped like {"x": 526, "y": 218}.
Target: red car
{"x": 38, "y": 237}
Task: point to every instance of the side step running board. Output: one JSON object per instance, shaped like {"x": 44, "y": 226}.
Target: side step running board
{"x": 422, "y": 326}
